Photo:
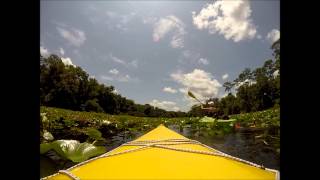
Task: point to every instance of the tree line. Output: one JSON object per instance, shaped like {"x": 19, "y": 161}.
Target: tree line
{"x": 69, "y": 87}
{"x": 255, "y": 90}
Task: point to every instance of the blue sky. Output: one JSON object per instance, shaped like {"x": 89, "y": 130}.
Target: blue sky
{"x": 154, "y": 51}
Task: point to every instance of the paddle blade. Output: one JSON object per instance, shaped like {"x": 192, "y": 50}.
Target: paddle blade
{"x": 191, "y": 95}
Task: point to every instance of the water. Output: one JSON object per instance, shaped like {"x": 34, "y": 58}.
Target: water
{"x": 242, "y": 145}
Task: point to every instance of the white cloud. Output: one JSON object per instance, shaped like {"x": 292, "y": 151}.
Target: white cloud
{"x": 228, "y": 18}
{"x": 176, "y": 108}
{"x": 166, "y": 105}
{"x": 225, "y": 76}
{"x": 44, "y": 51}
{"x": 61, "y": 51}
{"x": 149, "y": 20}
{"x": 176, "y": 42}
{"x": 120, "y": 78}
{"x": 114, "y": 71}
{"x": 273, "y": 35}
{"x": 169, "y": 24}
{"x": 76, "y": 52}
{"x": 186, "y": 54}
{"x": 114, "y": 21}
{"x": 108, "y": 78}
{"x": 111, "y": 14}
{"x": 117, "y": 76}
{"x": 200, "y": 83}
{"x": 74, "y": 36}
{"x": 124, "y": 78}
{"x": 169, "y": 90}
{"x": 133, "y": 63}
{"x": 67, "y": 61}
{"x": 183, "y": 91}
{"x": 203, "y": 61}
{"x": 117, "y": 60}
{"x": 190, "y": 57}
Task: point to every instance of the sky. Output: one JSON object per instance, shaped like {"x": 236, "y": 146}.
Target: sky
{"x": 153, "y": 52}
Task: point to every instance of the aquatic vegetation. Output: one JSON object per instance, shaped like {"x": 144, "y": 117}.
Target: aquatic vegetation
{"x": 47, "y": 136}
{"x": 269, "y": 121}
{"x": 266, "y": 118}
{"x": 72, "y": 149}
{"x": 100, "y": 128}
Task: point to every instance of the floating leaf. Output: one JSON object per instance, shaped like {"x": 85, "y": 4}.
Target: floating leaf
{"x": 93, "y": 133}
{"x": 207, "y": 119}
{"x": 76, "y": 151}
{"x": 45, "y": 147}
{"x": 229, "y": 120}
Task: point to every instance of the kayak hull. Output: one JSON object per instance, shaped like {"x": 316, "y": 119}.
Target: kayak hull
{"x": 160, "y": 163}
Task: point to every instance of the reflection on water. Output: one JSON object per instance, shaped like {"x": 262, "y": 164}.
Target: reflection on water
{"x": 242, "y": 145}
{"x": 47, "y": 166}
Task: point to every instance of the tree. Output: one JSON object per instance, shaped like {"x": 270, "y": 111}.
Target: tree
{"x": 147, "y": 110}
{"x": 257, "y": 89}
{"x": 228, "y": 86}
{"x": 245, "y": 75}
{"x": 71, "y": 87}
{"x": 276, "y": 49}
{"x": 93, "y": 105}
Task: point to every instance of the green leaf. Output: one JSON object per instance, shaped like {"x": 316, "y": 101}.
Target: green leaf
{"x": 229, "y": 120}
{"x": 93, "y": 133}
{"x": 45, "y": 147}
{"x": 76, "y": 151}
{"x": 207, "y": 119}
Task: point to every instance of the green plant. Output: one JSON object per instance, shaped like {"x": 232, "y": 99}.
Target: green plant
{"x": 72, "y": 149}
{"x": 45, "y": 126}
{"x": 95, "y": 136}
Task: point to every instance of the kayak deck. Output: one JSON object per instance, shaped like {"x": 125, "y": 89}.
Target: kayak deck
{"x": 164, "y": 154}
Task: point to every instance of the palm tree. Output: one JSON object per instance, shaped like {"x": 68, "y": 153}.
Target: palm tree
{"x": 228, "y": 86}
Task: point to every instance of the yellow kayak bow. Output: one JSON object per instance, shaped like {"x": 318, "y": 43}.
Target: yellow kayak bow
{"x": 165, "y": 154}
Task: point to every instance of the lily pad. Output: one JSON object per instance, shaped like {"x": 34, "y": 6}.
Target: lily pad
{"x": 207, "y": 119}
{"x": 73, "y": 150}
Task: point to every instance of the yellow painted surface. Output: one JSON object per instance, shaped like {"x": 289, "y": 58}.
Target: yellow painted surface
{"x": 157, "y": 163}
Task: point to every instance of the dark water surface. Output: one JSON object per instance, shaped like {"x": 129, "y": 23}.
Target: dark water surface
{"x": 242, "y": 145}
